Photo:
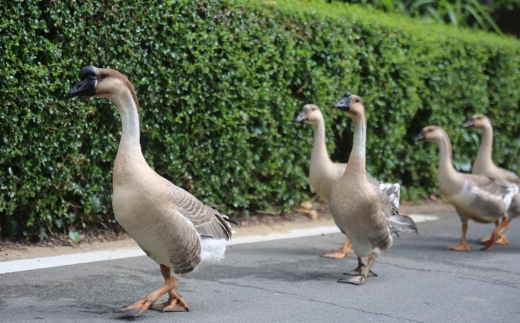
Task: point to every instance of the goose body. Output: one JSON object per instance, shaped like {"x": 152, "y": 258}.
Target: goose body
{"x": 323, "y": 173}
{"x": 172, "y": 227}
{"x": 360, "y": 208}
{"x": 478, "y": 198}
{"x": 483, "y": 164}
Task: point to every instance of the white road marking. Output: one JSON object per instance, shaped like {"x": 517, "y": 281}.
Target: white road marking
{"x": 80, "y": 258}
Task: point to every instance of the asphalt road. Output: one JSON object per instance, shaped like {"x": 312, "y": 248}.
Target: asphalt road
{"x": 286, "y": 281}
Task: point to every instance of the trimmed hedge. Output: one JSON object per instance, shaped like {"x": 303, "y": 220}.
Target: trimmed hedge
{"x": 219, "y": 84}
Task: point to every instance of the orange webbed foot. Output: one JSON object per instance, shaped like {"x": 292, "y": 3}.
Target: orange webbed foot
{"x": 341, "y": 252}
{"x": 489, "y": 245}
{"x": 335, "y": 255}
{"x": 501, "y": 240}
{"x": 173, "y": 304}
{"x": 137, "y": 308}
{"x": 358, "y": 280}
{"x": 462, "y": 247}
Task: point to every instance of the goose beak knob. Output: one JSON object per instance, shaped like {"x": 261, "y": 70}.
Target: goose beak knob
{"x": 469, "y": 123}
{"x": 87, "y": 83}
{"x": 419, "y": 137}
{"x": 344, "y": 103}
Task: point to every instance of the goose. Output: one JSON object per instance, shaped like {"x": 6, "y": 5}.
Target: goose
{"x": 359, "y": 208}
{"x": 481, "y": 199}
{"x": 323, "y": 172}
{"x": 484, "y": 165}
{"x": 172, "y": 227}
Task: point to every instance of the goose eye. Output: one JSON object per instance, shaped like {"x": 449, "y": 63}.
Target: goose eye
{"x": 104, "y": 75}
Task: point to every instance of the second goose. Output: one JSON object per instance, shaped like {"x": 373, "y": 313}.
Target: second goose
{"x": 323, "y": 173}
{"x": 358, "y": 207}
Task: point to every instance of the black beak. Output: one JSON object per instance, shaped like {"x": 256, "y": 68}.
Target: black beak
{"x": 344, "y": 103}
{"x": 301, "y": 117}
{"x": 87, "y": 85}
{"x": 419, "y": 137}
{"x": 469, "y": 123}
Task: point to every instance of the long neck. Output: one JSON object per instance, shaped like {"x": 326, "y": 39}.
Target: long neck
{"x": 486, "y": 147}
{"x": 129, "y": 118}
{"x": 319, "y": 149}
{"x": 445, "y": 161}
{"x": 357, "y": 159}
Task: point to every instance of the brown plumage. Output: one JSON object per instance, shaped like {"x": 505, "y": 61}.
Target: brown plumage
{"x": 474, "y": 197}
{"x": 323, "y": 173}
{"x": 358, "y": 207}
{"x": 483, "y": 164}
{"x": 173, "y": 227}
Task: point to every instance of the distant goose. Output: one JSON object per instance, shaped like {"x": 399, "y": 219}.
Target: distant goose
{"x": 481, "y": 199}
{"x": 171, "y": 226}
{"x": 483, "y": 164}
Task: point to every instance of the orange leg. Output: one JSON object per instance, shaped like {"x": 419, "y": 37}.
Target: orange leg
{"x": 463, "y": 244}
{"x": 340, "y": 252}
{"x": 174, "y": 304}
{"x": 501, "y": 228}
{"x": 502, "y": 239}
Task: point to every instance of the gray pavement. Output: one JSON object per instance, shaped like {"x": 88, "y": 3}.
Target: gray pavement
{"x": 286, "y": 281}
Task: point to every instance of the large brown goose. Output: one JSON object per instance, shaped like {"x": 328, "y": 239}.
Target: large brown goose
{"x": 172, "y": 227}
{"x": 478, "y": 198}
{"x": 323, "y": 173}
{"x": 359, "y": 208}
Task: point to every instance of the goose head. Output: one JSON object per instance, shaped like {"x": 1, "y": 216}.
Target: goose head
{"x": 478, "y": 121}
{"x": 310, "y": 113}
{"x": 103, "y": 83}
{"x": 351, "y": 104}
{"x": 430, "y": 133}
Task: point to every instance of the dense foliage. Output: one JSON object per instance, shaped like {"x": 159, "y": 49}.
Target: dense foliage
{"x": 219, "y": 84}
{"x": 458, "y": 13}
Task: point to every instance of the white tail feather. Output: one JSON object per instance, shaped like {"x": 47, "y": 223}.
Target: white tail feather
{"x": 392, "y": 191}
{"x": 512, "y": 191}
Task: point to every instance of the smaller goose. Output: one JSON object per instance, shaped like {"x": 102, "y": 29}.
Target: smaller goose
{"x": 484, "y": 165}
{"x": 172, "y": 227}
{"x": 359, "y": 208}
{"x": 481, "y": 199}
{"x": 323, "y": 173}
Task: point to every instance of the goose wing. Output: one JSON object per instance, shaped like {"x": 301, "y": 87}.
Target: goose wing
{"x": 511, "y": 177}
{"x": 206, "y": 220}
{"x": 487, "y": 193}
{"x": 396, "y": 221}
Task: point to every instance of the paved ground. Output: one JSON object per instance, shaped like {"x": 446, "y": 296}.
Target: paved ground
{"x": 286, "y": 281}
